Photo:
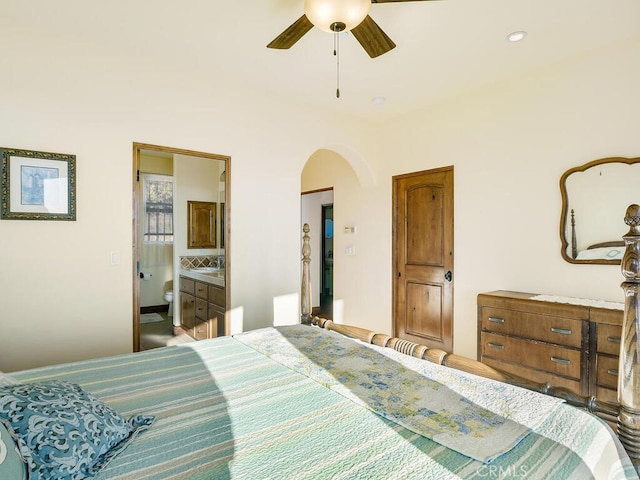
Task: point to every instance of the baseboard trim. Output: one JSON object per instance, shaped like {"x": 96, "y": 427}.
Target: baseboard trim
{"x": 155, "y": 308}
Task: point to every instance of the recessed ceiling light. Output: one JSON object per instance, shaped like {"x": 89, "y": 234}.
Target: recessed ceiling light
{"x": 378, "y": 100}
{"x": 516, "y": 36}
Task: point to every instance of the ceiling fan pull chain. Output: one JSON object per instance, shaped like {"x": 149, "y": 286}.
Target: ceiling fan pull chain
{"x": 336, "y": 52}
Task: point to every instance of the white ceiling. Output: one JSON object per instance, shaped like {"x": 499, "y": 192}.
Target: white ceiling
{"x": 444, "y": 47}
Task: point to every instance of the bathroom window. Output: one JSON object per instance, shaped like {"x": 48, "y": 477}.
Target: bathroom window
{"x": 158, "y": 209}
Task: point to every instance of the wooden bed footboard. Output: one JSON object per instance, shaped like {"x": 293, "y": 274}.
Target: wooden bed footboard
{"x": 626, "y": 414}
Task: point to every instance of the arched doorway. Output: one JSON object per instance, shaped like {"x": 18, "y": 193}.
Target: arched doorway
{"x": 328, "y": 180}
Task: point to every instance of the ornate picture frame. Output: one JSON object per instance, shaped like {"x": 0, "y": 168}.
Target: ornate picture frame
{"x": 37, "y": 185}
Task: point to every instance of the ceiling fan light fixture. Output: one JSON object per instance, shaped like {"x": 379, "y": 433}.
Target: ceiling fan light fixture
{"x": 327, "y": 14}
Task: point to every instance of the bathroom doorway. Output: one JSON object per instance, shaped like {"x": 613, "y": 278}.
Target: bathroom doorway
{"x": 317, "y": 211}
{"x": 159, "y": 242}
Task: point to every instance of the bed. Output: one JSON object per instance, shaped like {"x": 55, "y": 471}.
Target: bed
{"x": 316, "y": 400}
{"x": 610, "y": 250}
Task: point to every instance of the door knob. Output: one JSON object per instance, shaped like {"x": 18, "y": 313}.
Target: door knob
{"x": 448, "y": 276}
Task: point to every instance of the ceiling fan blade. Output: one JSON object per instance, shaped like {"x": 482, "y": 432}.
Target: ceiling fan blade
{"x": 372, "y": 38}
{"x": 394, "y": 1}
{"x": 292, "y": 34}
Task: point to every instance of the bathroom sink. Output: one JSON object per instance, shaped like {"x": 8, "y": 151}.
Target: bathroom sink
{"x": 205, "y": 269}
{"x": 206, "y": 274}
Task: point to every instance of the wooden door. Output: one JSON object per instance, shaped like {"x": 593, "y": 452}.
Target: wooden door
{"x": 423, "y": 257}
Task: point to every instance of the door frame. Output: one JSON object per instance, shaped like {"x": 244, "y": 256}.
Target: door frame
{"x": 135, "y": 250}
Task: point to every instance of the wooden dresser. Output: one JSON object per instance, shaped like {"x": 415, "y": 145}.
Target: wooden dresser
{"x": 566, "y": 345}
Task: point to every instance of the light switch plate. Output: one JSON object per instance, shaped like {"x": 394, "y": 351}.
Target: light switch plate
{"x": 114, "y": 257}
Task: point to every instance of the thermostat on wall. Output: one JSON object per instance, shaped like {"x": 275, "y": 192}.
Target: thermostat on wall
{"x": 350, "y": 230}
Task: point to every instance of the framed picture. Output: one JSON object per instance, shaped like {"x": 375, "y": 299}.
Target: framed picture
{"x": 37, "y": 185}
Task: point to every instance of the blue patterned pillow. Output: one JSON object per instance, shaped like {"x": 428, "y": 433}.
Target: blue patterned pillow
{"x": 62, "y": 431}
{"x": 11, "y": 464}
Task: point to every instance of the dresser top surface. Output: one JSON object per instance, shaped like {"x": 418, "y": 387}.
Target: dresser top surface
{"x": 605, "y": 312}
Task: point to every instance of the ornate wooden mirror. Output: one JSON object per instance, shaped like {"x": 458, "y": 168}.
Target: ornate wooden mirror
{"x": 588, "y": 232}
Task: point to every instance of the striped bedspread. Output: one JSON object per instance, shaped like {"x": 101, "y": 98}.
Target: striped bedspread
{"x": 225, "y": 411}
{"x": 483, "y": 424}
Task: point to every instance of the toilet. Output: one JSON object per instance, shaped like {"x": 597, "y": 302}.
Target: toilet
{"x": 168, "y": 296}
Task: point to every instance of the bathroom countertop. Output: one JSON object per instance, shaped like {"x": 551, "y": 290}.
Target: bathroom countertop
{"x": 214, "y": 278}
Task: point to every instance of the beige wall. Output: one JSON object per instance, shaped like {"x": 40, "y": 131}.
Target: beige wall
{"x": 61, "y": 299}
{"x": 510, "y": 144}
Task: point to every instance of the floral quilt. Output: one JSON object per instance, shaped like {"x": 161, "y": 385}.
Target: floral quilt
{"x": 480, "y": 419}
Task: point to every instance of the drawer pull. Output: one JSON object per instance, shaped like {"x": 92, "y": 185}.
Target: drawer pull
{"x": 495, "y": 345}
{"x": 614, "y": 339}
{"x": 563, "y": 331}
{"x": 562, "y": 361}
{"x": 496, "y": 319}
{"x": 612, "y": 371}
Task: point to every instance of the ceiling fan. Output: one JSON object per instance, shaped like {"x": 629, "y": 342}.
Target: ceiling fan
{"x": 340, "y": 16}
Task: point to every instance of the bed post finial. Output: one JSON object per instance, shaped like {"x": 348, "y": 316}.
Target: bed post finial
{"x": 574, "y": 241}
{"x": 629, "y": 367}
{"x": 305, "y": 291}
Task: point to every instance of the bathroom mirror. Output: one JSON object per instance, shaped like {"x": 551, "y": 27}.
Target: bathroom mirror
{"x": 594, "y": 199}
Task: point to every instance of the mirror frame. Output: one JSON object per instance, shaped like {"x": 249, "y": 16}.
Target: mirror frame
{"x": 565, "y": 207}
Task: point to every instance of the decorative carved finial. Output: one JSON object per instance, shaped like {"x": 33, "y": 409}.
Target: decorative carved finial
{"x": 632, "y": 218}
{"x": 574, "y": 242}
{"x": 631, "y": 260}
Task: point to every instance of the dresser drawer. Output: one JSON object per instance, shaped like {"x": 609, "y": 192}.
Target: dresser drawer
{"x": 607, "y": 394}
{"x": 546, "y": 328}
{"x": 201, "y": 309}
{"x": 608, "y": 338}
{"x": 201, "y": 330}
{"x": 541, "y": 356}
{"x": 607, "y": 371}
{"x": 202, "y": 290}
{"x": 217, "y": 295}
{"x": 187, "y": 285}
{"x": 537, "y": 376}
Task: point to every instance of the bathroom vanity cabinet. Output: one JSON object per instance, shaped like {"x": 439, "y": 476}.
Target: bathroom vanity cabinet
{"x": 202, "y": 308}
{"x": 201, "y": 224}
